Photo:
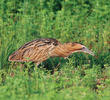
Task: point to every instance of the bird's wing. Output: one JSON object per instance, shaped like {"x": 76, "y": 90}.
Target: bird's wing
{"x": 36, "y": 50}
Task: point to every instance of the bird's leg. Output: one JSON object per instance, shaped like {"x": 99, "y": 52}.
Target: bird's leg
{"x": 56, "y": 68}
{"x": 58, "y": 64}
{"x": 65, "y": 57}
{"x": 37, "y": 64}
{"x": 21, "y": 67}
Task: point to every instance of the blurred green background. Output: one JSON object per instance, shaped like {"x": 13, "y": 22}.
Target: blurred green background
{"x": 80, "y": 77}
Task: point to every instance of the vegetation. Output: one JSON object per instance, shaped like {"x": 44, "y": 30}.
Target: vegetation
{"x": 81, "y": 76}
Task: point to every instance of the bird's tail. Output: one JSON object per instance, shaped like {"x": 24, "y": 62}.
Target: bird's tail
{"x": 16, "y": 56}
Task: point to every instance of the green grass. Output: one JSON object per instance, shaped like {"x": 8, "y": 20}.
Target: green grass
{"x": 81, "y": 83}
{"x": 81, "y": 76}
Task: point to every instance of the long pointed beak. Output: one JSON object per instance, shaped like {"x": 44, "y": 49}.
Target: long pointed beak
{"x": 86, "y": 50}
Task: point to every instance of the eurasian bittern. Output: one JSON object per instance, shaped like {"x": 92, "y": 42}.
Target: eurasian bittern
{"x": 40, "y": 50}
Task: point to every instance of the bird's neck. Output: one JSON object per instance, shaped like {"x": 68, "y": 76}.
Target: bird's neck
{"x": 63, "y": 50}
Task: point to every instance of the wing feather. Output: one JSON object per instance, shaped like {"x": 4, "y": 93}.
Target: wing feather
{"x": 36, "y": 50}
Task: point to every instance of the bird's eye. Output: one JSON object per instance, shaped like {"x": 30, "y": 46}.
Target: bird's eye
{"x": 83, "y": 47}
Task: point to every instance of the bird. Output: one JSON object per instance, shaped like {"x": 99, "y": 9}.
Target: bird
{"x": 39, "y": 50}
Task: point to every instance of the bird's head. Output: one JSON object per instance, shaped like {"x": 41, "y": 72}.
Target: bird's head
{"x": 77, "y": 47}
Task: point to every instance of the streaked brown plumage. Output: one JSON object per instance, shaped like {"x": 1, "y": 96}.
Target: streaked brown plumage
{"x": 40, "y": 50}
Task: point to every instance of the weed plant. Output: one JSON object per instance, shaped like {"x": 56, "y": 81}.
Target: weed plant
{"x": 81, "y": 76}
